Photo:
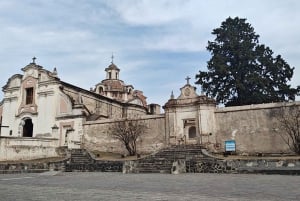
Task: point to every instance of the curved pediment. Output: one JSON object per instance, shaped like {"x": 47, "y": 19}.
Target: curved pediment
{"x": 13, "y": 81}
{"x": 188, "y": 91}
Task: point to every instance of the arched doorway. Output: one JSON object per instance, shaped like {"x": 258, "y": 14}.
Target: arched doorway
{"x": 27, "y": 128}
{"x": 192, "y": 132}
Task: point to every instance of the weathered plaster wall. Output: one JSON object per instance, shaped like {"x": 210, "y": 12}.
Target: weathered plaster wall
{"x": 134, "y": 111}
{"x": 253, "y": 127}
{"x": 47, "y": 101}
{"x": 9, "y": 112}
{"x": 96, "y": 138}
{"x": 15, "y": 148}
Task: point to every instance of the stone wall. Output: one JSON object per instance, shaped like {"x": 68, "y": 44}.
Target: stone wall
{"x": 18, "y": 148}
{"x": 253, "y": 127}
{"x": 96, "y": 137}
{"x": 258, "y": 166}
{"x": 31, "y": 167}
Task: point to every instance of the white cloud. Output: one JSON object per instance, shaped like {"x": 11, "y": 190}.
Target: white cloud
{"x": 150, "y": 38}
{"x": 148, "y": 13}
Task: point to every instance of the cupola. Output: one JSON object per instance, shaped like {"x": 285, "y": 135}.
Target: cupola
{"x": 112, "y": 71}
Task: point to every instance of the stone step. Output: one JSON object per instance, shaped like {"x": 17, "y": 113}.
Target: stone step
{"x": 153, "y": 170}
{"x": 80, "y": 160}
{"x": 162, "y": 161}
{"x": 87, "y": 159}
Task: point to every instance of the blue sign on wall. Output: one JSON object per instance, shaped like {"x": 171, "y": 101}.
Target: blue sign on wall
{"x": 230, "y": 145}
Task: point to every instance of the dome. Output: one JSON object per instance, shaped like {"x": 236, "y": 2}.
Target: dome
{"x": 112, "y": 66}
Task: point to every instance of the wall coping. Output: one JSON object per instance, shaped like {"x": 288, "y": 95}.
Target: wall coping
{"x": 256, "y": 107}
{"x": 28, "y": 138}
{"x": 158, "y": 116}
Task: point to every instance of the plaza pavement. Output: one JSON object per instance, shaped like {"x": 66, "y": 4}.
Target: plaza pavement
{"x": 79, "y": 186}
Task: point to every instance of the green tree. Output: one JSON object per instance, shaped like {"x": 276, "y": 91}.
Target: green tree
{"x": 128, "y": 132}
{"x": 241, "y": 71}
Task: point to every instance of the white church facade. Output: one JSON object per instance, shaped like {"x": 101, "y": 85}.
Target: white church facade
{"x": 40, "y": 113}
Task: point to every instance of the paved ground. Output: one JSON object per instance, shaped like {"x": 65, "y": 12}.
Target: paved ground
{"x": 52, "y": 186}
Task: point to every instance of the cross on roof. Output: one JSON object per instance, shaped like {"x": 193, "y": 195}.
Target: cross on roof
{"x": 187, "y": 80}
{"x": 3, "y": 126}
{"x": 33, "y": 60}
{"x": 112, "y": 58}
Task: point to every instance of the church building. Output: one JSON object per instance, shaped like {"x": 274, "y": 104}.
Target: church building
{"x": 40, "y": 110}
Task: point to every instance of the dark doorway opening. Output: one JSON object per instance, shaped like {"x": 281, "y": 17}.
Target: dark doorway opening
{"x": 192, "y": 132}
{"x": 27, "y": 128}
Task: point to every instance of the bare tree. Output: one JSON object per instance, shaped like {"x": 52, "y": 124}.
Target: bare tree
{"x": 289, "y": 122}
{"x": 128, "y": 132}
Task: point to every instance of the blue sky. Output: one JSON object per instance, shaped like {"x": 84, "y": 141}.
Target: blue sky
{"x": 156, "y": 43}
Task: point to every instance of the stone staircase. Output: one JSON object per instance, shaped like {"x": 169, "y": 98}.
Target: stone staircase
{"x": 82, "y": 161}
{"x": 162, "y": 161}
{"x": 81, "y": 156}
{"x": 79, "y": 161}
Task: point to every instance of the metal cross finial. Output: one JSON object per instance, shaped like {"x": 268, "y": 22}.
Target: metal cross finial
{"x": 187, "y": 79}
{"x": 33, "y": 60}
{"x": 112, "y": 58}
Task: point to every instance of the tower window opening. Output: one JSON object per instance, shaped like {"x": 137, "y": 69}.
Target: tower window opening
{"x": 100, "y": 90}
{"x": 29, "y": 96}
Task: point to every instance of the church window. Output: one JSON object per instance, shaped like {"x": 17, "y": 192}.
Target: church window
{"x": 29, "y": 96}
{"x": 109, "y": 75}
{"x": 192, "y": 132}
{"x": 116, "y": 75}
{"x": 100, "y": 90}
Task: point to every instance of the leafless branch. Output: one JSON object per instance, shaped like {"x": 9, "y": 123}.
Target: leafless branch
{"x": 128, "y": 132}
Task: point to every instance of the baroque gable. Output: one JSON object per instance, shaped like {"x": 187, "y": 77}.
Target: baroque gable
{"x": 13, "y": 82}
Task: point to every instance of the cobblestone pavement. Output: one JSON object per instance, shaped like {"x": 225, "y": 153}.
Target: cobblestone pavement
{"x": 56, "y": 186}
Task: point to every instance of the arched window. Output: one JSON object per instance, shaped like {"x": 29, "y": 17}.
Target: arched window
{"x": 100, "y": 90}
{"x": 27, "y": 128}
{"x": 192, "y": 132}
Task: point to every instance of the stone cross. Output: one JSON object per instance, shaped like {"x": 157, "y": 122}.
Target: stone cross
{"x": 187, "y": 80}
{"x": 33, "y": 60}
